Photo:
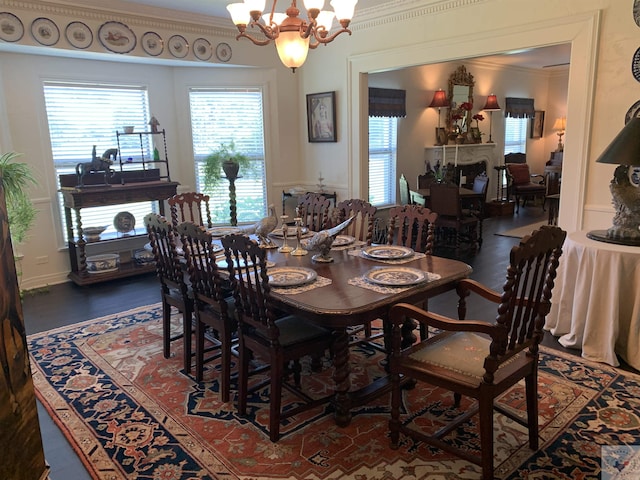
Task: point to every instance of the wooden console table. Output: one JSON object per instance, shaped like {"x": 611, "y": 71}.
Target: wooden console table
{"x": 76, "y": 198}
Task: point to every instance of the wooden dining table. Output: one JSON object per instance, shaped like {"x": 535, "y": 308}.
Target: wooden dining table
{"x": 421, "y": 196}
{"x": 341, "y": 305}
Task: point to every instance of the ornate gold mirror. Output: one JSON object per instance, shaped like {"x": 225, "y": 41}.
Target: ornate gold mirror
{"x": 460, "y": 91}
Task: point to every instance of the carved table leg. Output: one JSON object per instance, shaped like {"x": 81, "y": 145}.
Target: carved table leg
{"x": 342, "y": 399}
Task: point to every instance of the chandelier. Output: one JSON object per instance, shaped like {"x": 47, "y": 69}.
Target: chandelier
{"x": 292, "y": 35}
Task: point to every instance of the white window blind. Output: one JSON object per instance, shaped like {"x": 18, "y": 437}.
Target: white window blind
{"x": 515, "y": 135}
{"x": 383, "y": 144}
{"x": 220, "y": 116}
{"x": 83, "y": 115}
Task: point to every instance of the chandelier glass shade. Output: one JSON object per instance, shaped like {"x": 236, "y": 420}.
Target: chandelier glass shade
{"x": 292, "y": 35}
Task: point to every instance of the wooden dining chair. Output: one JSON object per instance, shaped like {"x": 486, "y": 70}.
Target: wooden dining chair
{"x": 479, "y": 359}
{"x": 362, "y": 226}
{"x": 281, "y": 342}
{"x": 445, "y": 201}
{"x": 412, "y": 226}
{"x": 476, "y": 206}
{"x": 174, "y": 290}
{"x": 190, "y": 207}
{"x": 314, "y": 209}
{"x": 213, "y": 306}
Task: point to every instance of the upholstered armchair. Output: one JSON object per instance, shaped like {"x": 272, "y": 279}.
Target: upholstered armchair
{"x": 522, "y": 184}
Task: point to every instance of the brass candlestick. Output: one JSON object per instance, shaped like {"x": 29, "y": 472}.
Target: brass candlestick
{"x": 285, "y": 228}
{"x": 299, "y": 251}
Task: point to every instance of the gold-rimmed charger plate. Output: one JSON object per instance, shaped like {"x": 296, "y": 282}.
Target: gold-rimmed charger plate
{"x": 387, "y": 252}
{"x": 291, "y": 276}
{"x": 395, "y": 276}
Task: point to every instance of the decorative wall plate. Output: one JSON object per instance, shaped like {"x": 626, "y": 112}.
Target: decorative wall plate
{"x": 395, "y": 276}
{"x": 45, "y": 31}
{"x": 178, "y": 46}
{"x": 635, "y": 65}
{"x": 117, "y": 37}
{"x": 78, "y": 35}
{"x": 202, "y": 49}
{"x": 634, "y": 111}
{"x": 152, "y": 44}
{"x": 291, "y": 276}
{"x": 124, "y": 222}
{"x": 223, "y": 52}
{"x": 11, "y": 28}
{"x": 636, "y": 11}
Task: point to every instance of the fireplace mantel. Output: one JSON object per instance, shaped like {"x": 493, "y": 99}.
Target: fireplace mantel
{"x": 461, "y": 154}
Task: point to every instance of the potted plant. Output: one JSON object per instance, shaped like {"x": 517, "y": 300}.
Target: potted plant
{"x": 15, "y": 178}
{"x": 224, "y": 160}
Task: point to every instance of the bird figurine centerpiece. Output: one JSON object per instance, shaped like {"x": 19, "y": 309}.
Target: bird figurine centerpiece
{"x": 323, "y": 240}
{"x": 263, "y": 227}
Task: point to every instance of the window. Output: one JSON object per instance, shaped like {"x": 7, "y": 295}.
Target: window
{"x": 515, "y": 135}
{"x": 383, "y": 145}
{"x": 219, "y": 116}
{"x": 83, "y": 115}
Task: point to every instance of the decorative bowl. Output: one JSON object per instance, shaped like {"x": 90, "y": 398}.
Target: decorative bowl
{"x": 92, "y": 234}
{"x": 128, "y": 128}
{"x": 107, "y": 262}
{"x": 143, "y": 256}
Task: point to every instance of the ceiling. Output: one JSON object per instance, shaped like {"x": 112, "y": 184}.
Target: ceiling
{"x": 552, "y": 57}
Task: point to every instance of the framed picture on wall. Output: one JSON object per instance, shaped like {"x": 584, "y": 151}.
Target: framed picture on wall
{"x": 537, "y": 124}
{"x": 441, "y": 136}
{"x": 321, "y": 117}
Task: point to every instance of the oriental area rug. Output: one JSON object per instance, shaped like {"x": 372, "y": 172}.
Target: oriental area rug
{"x": 132, "y": 414}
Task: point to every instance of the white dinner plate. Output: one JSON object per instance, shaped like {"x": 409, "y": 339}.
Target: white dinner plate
{"x": 222, "y": 231}
{"x": 395, "y": 276}
{"x": 291, "y": 276}
{"x": 342, "y": 240}
{"x": 388, "y": 252}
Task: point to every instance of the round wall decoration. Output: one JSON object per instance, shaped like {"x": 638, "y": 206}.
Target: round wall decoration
{"x": 636, "y": 11}
{"x": 178, "y": 46}
{"x": 116, "y": 37}
{"x": 634, "y": 111}
{"x": 635, "y": 65}
{"x": 152, "y": 44}
{"x": 11, "y": 28}
{"x": 202, "y": 49}
{"x": 78, "y": 35}
{"x": 45, "y": 31}
{"x": 223, "y": 52}
{"x": 124, "y": 222}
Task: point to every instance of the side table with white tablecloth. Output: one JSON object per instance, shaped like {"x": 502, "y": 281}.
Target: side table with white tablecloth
{"x": 596, "y": 300}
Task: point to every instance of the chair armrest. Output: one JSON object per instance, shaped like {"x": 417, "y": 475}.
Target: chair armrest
{"x": 400, "y": 311}
{"x": 467, "y": 285}
{"x": 538, "y": 178}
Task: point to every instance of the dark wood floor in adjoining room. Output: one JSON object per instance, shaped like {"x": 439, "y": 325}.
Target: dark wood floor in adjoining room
{"x": 67, "y": 303}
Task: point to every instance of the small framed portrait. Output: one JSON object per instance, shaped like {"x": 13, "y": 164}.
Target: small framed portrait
{"x": 476, "y": 135}
{"x": 321, "y": 117}
{"x": 441, "y": 136}
{"x": 537, "y": 124}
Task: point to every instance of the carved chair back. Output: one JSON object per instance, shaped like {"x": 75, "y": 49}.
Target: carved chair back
{"x": 314, "y": 209}
{"x": 412, "y": 226}
{"x": 362, "y": 226}
{"x": 190, "y": 207}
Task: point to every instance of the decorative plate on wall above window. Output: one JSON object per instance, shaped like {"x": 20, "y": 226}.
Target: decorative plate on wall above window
{"x": 223, "y": 52}
{"x": 202, "y": 49}
{"x": 178, "y": 46}
{"x": 635, "y": 65}
{"x": 117, "y": 37}
{"x": 152, "y": 44}
{"x": 78, "y": 35}
{"x": 45, "y": 31}
{"x": 636, "y": 11}
{"x": 11, "y": 28}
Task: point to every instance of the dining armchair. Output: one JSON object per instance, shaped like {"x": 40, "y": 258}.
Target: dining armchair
{"x": 213, "y": 305}
{"x": 315, "y": 211}
{"x": 452, "y": 222}
{"x": 412, "y": 226}
{"x": 190, "y": 207}
{"x": 521, "y": 183}
{"x": 478, "y": 359}
{"x": 361, "y": 228}
{"x": 281, "y": 342}
{"x": 174, "y": 290}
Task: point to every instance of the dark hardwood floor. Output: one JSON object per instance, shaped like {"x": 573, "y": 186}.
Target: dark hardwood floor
{"x": 65, "y": 304}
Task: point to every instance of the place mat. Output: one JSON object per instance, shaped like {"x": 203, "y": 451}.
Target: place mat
{"x": 399, "y": 261}
{"x": 319, "y": 282}
{"x": 362, "y": 282}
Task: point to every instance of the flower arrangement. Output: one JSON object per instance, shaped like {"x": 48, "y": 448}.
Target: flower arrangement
{"x": 478, "y": 117}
